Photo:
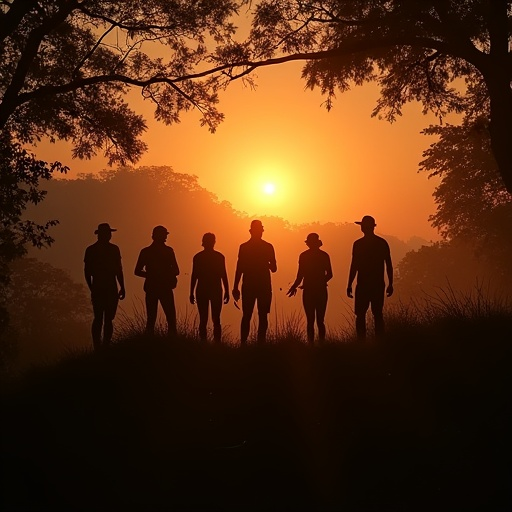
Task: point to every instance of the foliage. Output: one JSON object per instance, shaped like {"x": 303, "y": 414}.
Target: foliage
{"x": 452, "y": 56}
{"x": 20, "y": 176}
{"x": 48, "y": 311}
{"x": 418, "y": 422}
{"x": 67, "y": 66}
{"x": 471, "y": 199}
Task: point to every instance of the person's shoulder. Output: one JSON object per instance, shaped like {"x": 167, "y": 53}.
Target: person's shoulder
{"x": 219, "y": 255}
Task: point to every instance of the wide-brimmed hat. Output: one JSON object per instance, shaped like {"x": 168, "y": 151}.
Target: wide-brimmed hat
{"x": 104, "y": 227}
{"x": 367, "y": 220}
{"x": 313, "y": 240}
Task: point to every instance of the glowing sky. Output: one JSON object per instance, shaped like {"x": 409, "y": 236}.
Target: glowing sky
{"x": 325, "y": 166}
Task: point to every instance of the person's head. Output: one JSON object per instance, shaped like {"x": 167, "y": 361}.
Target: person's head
{"x": 313, "y": 241}
{"x": 256, "y": 229}
{"x": 160, "y": 234}
{"x": 104, "y": 232}
{"x": 367, "y": 224}
{"x": 208, "y": 241}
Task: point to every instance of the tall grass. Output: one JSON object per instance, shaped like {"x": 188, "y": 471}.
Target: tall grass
{"x": 419, "y": 421}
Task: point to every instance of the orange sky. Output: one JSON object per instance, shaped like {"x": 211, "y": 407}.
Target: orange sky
{"x": 326, "y": 166}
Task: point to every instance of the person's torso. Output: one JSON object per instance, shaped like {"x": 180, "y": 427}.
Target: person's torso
{"x": 160, "y": 266}
{"x": 103, "y": 262}
{"x": 370, "y": 253}
{"x": 209, "y": 268}
{"x": 255, "y": 257}
{"x": 314, "y": 266}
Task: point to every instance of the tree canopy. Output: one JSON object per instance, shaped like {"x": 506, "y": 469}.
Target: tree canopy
{"x": 66, "y": 66}
{"x": 450, "y": 55}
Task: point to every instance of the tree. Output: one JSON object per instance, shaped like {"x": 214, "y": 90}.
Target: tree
{"x": 451, "y": 55}
{"x": 49, "y": 311}
{"x": 65, "y": 69}
{"x": 20, "y": 177}
{"x": 66, "y": 66}
{"x": 474, "y": 214}
{"x": 472, "y": 202}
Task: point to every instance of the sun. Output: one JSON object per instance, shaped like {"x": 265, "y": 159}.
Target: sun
{"x": 269, "y": 188}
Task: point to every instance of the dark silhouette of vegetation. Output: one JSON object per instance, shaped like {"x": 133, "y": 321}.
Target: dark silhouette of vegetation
{"x": 20, "y": 176}
{"x": 49, "y": 314}
{"x": 474, "y": 212}
{"x": 419, "y": 422}
{"x": 452, "y": 56}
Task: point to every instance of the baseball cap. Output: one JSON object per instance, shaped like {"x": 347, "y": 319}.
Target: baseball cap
{"x": 367, "y": 220}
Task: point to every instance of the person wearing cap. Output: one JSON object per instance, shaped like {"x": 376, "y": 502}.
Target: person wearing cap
{"x": 103, "y": 272}
{"x": 314, "y": 273}
{"x": 369, "y": 256}
{"x": 209, "y": 275}
{"x": 158, "y": 266}
{"x": 256, "y": 260}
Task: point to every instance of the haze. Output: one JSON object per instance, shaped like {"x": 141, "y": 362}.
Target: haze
{"x": 326, "y": 166}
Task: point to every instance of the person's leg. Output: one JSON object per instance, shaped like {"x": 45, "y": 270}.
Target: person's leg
{"x": 264, "y": 302}
{"x": 362, "y": 302}
{"x": 248, "y": 301}
{"x": 167, "y": 302}
{"x": 151, "y": 311}
{"x": 321, "y": 307}
{"x": 97, "y": 323}
{"x": 202, "y": 307}
{"x": 308, "y": 301}
{"x": 377, "y": 306}
{"x": 110, "y": 313}
{"x": 216, "y": 305}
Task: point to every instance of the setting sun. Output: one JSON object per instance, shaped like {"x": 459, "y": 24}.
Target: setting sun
{"x": 269, "y": 188}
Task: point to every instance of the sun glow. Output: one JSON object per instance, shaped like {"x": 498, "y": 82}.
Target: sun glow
{"x": 269, "y": 188}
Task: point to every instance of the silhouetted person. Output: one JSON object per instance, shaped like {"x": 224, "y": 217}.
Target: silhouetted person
{"x": 103, "y": 271}
{"x": 157, "y": 264}
{"x": 209, "y": 274}
{"x": 314, "y": 272}
{"x": 256, "y": 259}
{"x": 369, "y": 256}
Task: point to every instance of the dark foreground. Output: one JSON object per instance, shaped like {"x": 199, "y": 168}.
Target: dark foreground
{"x": 420, "y": 422}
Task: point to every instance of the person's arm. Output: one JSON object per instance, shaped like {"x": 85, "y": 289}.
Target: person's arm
{"x": 328, "y": 270}
{"x": 300, "y": 276}
{"x": 351, "y": 274}
{"x": 87, "y": 271}
{"x": 174, "y": 263}
{"x": 389, "y": 271}
{"x": 193, "y": 282}
{"x": 120, "y": 277}
{"x": 272, "y": 264}
{"x": 238, "y": 275}
{"x": 225, "y": 283}
{"x": 139, "y": 267}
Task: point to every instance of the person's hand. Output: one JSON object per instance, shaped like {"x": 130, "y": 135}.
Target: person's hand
{"x": 236, "y": 294}
{"x": 192, "y": 299}
{"x": 122, "y": 294}
{"x": 389, "y": 290}
{"x": 292, "y": 291}
{"x": 226, "y": 298}
{"x": 349, "y": 292}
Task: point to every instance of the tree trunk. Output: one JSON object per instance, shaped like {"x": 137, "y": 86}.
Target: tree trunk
{"x": 497, "y": 77}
